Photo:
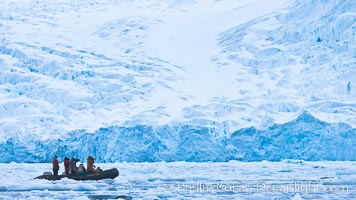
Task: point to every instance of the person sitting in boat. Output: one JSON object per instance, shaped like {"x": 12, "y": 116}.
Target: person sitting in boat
{"x": 73, "y": 166}
{"x": 90, "y": 164}
{"x": 81, "y": 169}
{"x": 98, "y": 170}
{"x": 55, "y": 165}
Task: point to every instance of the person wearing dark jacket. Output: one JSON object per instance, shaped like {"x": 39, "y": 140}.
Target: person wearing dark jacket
{"x": 55, "y": 166}
{"x": 66, "y": 165}
{"x": 90, "y": 164}
{"x": 81, "y": 169}
{"x": 73, "y": 166}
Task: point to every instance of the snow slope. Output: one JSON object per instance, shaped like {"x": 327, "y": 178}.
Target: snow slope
{"x": 198, "y": 72}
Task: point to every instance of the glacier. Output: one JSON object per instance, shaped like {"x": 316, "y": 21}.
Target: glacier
{"x": 305, "y": 138}
{"x": 142, "y": 81}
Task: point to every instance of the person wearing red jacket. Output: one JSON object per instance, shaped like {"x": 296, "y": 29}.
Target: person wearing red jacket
{"x": 66, "y": 165}
{"x": 55, "y": 166}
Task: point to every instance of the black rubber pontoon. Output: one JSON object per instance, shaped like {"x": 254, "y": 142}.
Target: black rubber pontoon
{"x": 106, "y": 174}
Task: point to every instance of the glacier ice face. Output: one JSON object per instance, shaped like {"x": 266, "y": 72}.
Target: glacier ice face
{"x": 79, "y": 73}
{"x": 305, "y": 138}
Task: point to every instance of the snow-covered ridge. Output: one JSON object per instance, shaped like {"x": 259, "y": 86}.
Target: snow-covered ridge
{"x": 222, "y": 65}
{"x": 301, "y": 57}
{"x": 60, "y": 74}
